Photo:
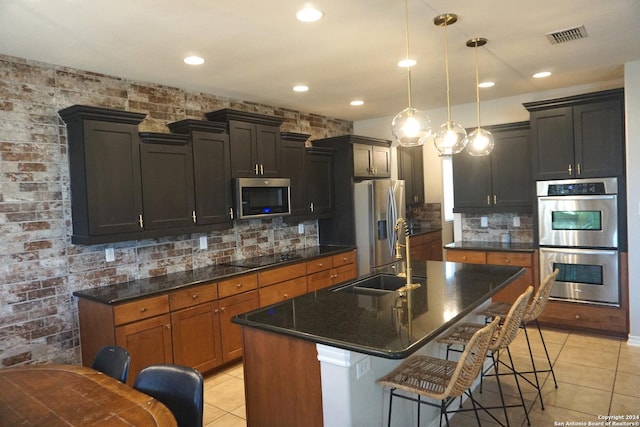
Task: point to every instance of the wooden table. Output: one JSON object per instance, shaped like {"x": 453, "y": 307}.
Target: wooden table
{"x": 70, "y": 395}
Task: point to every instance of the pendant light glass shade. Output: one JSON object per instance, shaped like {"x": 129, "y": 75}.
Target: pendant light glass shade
{"x": 480, "y": 140}
{"x": 410, "y": 127}
{"x": 451, "y": 138}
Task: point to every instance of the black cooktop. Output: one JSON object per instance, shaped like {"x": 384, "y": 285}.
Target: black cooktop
{"x": 265, "y": 260}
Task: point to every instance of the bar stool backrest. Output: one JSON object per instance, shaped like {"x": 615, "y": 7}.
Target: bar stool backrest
{"x": 511, "y": 325}
{"x": 540, "y": 299}
{"x": 471, "y": 360}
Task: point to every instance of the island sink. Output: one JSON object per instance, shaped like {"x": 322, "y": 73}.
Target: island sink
{"x": 380, "y": 283}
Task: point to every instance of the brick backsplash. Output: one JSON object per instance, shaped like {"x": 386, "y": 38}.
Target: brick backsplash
{"x": 497, "y": 225}
{"x": 39, "y": 267}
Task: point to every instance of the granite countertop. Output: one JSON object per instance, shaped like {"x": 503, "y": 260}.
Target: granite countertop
{"x": 122, "y": 292}
{"x": 376, "y": 322}
{"x": 491, "y": 246}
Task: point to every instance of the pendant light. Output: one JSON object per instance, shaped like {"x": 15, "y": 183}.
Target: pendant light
{"x": 451, "y": 138}
{"x": 480, "y": 140}
{"x": 410, "y": 127}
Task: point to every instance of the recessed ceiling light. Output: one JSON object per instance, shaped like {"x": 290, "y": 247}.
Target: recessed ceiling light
{"x": 309, "y": 14}
{"x": 194, "y": 60}
{"x": 541, "y": 74}
{"x": 357, "y": 102}
{"x": 300, "y": 88}
{"x": 406, "y": 63}
{"x": 486, "y": 84}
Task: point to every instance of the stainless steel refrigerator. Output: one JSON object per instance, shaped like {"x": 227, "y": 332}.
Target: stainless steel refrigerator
{"x": 378, "y": 204}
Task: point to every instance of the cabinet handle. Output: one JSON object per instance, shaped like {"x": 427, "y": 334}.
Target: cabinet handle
{"x": 215, "y": 311}
{"x": 570, "y": 169}
{"x": 140, "y": 221}
{"x": 261, "y": 169}
{"x": 193, "y": 216}
{"x": 286, "y": 295}
{"x": 344, "y": 258}
{"x": 579, "y": 169}
{"x": 168, "y": 326}
{"x": 239, "y": 285}
{"x": 507, "y": 261}
{"x": 231, "y": 213}
{"x": 464, "y": 257}
{"x": 194, "y": 296}
{"x": 311, "y": 206}
{"x": 222, "y": 309}
{"x": 578, "y": 316}
{"x": 319, "y": 264}
{"x": 488, "y": 200}
{"x": 255, "y": 169}
{"x": 495, "y": 199}
{"x": 143, "y": 309}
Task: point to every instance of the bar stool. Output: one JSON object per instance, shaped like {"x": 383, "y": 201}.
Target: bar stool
{"x": 441, "y": 379}
{"x": 503, "y": 336}
{"x": 534, "y": 310}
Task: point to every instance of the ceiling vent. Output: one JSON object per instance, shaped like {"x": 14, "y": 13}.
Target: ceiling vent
{"x": 567, "y": 35}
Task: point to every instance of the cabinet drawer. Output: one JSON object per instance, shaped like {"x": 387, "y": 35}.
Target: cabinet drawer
{"x": 237, "y": 285}
{"x": 283, "y": 291}
{"x": 509, "y": 258}
{"x": 343, "y": 259}
{"x": 193, "y": 295}
{"x": 606, "y": 319}
{"x": 276, "y": 275}
{"x": 319, "y": 264}
{"x": 470, "y": 257}
{"x": 141, "y": 309}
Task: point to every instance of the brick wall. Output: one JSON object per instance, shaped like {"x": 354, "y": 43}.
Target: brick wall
{"x": 39, "y": 267}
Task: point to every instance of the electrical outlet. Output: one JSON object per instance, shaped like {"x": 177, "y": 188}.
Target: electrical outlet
{"x": 203, "y": 242}
{"x": 516, "y": 221}
{"x": 363, "y": 366}
{"x": 484, "y": 221}
{"x": 300, "y": 228}
{"x": 109, "y": 255}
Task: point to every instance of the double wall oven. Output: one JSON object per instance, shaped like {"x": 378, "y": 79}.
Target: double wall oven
{"x": 578, "y": 234}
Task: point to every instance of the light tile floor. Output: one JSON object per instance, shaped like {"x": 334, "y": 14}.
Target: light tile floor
{"x": 596, "y": 376}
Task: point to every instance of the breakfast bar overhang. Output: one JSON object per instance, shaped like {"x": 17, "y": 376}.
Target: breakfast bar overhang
{"x": 313, "y": 360}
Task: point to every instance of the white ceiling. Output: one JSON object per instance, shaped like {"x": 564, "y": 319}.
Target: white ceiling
{"x": 257, "y": 50}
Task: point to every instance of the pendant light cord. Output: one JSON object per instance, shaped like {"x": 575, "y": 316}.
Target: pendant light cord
{"x": 446, "y": 68}
{"x": 406, "y": 37}
{"x": 477, "y": 86}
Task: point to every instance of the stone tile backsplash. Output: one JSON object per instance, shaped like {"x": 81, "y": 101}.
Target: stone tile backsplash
{"x": 497, "y": 225}
{"x": 39, "y": 266}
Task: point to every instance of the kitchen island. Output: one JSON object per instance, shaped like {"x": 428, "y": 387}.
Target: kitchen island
{"x": 313, "y": 360}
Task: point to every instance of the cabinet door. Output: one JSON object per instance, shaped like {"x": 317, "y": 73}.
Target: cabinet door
{"x": 410, "y": 169}
{"x": 319, "y": 183}
{"x": 293, "y": 167}
{"x": 362, "y": 160}
{"x": 244, "y": 155}
{"x": 471, "y": 182}
{"x": 268, "y": 149}
{"x": 196, "y": 336}
{"x": 599, "y": 140}
{"x": 381, "y": 159}
{"x": 167, "y": 178}
{"x": 148, "y": 341}
{"x": 552, "y": 143}
{"x": 511, "y": 170}
{"x": 111, "y": 168}
{"x": 230, "y": 333}
{"x": 212, "y": 177}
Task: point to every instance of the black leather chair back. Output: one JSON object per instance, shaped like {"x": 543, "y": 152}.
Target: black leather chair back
{"x": 113, "y": 361}
{"x": 179, "y": 388}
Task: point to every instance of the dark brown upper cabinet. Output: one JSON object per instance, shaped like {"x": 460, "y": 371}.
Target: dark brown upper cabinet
{"x": 255, "y": 142}
{"x": 368, "y": 157}
{"x": 105, "y": 177}
{"x": 411, "y": 170}
{"x": 311, "y": 173}
{"x": 499, "y": 182}
{"x": 579, "y": 136}
{"x": 211, "y": 170}
{"x": 167, "y": 179}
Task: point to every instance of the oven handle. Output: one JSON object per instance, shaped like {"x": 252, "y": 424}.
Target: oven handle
{"x": 564, "y": 198}
{"x": 580, "y": 251}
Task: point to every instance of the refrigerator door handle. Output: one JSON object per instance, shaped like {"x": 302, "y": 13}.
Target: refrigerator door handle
{"x": 392, "y": 217}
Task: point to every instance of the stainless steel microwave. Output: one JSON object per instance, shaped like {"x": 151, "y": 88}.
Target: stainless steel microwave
{"x": 262, "y": 197}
